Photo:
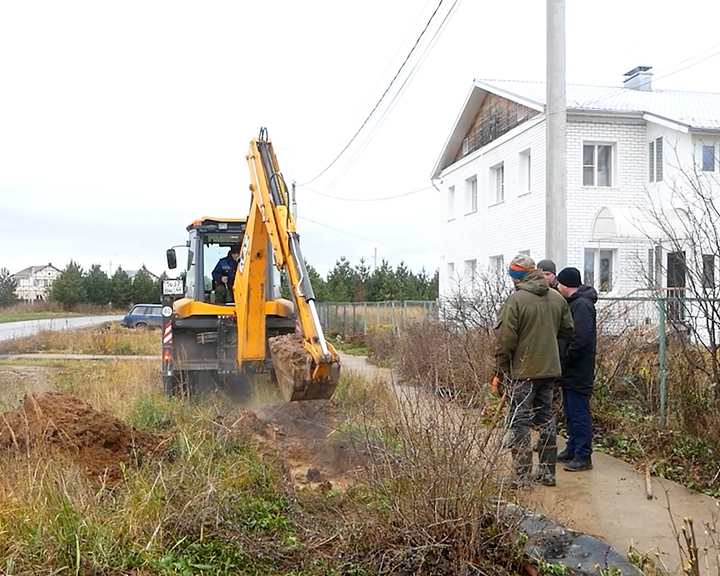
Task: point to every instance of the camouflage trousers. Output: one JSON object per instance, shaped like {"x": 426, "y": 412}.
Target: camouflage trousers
{"x": 531, "y": 406}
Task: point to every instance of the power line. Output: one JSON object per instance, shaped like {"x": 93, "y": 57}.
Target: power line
{"x": 407, "y": 58}
{"x": 375, "y": 239}
{"x": 406, "y": 83}
{"x": 366, "y": 199}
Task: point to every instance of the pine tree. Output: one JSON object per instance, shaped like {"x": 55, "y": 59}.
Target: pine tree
{"x": 8, "y": 296}
{"x": 121, "y": 292}
{"x": 97, "y": 285}
{"x": 144, "y": 288}
{"x": 68, "y": 288}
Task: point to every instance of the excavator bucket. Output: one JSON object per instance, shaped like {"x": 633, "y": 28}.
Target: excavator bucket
{"x": 297, "y": 375}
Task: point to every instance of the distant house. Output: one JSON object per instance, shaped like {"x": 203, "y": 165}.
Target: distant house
{"x": 34, "y": 283}
{"x": 628, "y": 148}
{"x": 132, "y": 273}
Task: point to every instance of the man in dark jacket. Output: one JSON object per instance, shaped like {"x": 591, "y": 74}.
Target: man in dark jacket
{"x": 577, "y": 355}
{"x": 223, "y": 276}
{"x": 528, "y": 362}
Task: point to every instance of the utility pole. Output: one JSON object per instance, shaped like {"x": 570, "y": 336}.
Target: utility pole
{"x": 556, "y": 137}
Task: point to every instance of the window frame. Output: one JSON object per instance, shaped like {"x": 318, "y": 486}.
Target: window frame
{"x": 595, "y": 166}
{"x": 708, "y": 272}
{"x": 714, "y": 159}
{"x": 655, "y": 160}
{"x": 451, "y": 203}
{"x": 470, "y": 269}
{"x": 590, "y": 276}
{"x": 525, "y": 172}
{"x": 497, "y": 264}
{"x": 497, "y": 178}
{"x": 471, "y": 194}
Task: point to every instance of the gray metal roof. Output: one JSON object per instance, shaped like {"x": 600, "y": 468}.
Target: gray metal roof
{"x": 30, "y": 270}
{"x": 691, "y": 110}
{"x": 697, "y": 110}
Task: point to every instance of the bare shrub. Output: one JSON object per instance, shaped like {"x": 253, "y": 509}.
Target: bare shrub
{"x": 433, "y": 470}
{"x": 453, "y": 361}
{"x": 381, "y": 342}
{"x": 455, "y": 354}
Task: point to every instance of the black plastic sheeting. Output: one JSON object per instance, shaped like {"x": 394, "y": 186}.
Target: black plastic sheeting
{"x": 555, "y": 543}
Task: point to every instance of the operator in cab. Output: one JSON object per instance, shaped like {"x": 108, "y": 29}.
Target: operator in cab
{"x": 223, "y": 276}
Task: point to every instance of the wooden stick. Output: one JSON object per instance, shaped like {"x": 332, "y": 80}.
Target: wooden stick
{"x": 648, "y": 482}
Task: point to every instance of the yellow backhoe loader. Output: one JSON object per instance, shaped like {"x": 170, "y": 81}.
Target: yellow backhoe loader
{"x": 257, "y": 332}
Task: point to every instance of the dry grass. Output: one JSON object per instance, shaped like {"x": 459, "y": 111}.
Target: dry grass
{"x": 424, "y": 502}
{"x": 109, "y": 339}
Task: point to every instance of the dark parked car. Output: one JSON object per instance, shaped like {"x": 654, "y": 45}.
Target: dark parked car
{"x": 143, "y": 316}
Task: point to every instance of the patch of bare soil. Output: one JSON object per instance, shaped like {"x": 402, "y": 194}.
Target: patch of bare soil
{"x": 52, "y": 423}
{"x": 16, "y": 381}
{"x": 306, "y": 435}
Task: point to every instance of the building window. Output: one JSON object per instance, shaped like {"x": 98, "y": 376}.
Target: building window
{"x": 471, "y": 194}
{"x": 497, "y": 265}
{"x": 597, "y": 165}
{"x": 598, "y": 270}
{"x": 471, "y": 273}
{"x": 655, "y": 160}
{"x": 497, "y": 179}
{"x": 520, "y": 112}
{"x": 451, "y": 203}
{"x": 708, "y": 272}
{"x": 525, "y": 175}
{"x": 465, "y": 146}
{"x": 451, "y": 271}
{"x": 708, "y": 158}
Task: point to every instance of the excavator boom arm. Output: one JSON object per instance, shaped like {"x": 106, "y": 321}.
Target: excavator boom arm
{"x": 271, "y": 220}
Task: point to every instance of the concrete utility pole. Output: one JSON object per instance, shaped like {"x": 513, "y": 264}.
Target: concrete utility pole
{"x": 556, "y": 167}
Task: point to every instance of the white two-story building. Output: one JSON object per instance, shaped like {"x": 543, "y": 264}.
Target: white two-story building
{"x": 630, "y": 149}
{"x": 34, "y": 282}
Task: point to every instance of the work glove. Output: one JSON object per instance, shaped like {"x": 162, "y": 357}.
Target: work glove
{"x": 497, "y": 386}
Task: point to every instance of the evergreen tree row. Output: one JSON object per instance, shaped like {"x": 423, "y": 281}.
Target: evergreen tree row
{"x": 348, "y": 283}
{"x": 74, "y": 286}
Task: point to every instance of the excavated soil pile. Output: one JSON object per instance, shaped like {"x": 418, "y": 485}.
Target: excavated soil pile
{"x": 52, "y": 423}
{"x": 306, "y": 435}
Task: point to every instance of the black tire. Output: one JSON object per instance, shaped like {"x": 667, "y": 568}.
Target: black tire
{"x": 171, "y": 385}
{"x": 141, "y": 325}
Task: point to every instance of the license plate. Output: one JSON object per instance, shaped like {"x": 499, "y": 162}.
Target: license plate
{"x": 173, "y": 287}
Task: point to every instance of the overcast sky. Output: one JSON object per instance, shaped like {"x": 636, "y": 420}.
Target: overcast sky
{"x": 121, "y": 122}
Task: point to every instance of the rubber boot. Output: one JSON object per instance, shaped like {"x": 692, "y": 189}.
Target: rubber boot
{"x": 522, "y": 462}
{"x": 547, "y": 455}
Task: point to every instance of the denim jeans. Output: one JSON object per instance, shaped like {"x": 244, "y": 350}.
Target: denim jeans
{"x": 579, "y": 423}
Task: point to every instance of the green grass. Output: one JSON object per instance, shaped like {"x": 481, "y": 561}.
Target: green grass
{"x": 21, "y": 316}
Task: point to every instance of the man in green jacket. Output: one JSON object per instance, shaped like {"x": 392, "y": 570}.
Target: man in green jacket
{"x": 528, "y": 363}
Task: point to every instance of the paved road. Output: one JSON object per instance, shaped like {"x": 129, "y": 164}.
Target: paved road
{"x": 10, "y": 330}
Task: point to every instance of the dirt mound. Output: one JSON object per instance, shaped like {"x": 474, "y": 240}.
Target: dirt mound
{"x": 57, "y": 423}
{"x": 307, "y": 435}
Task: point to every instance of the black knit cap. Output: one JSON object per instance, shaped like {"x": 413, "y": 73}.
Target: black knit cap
{"x": 569, "y": 277}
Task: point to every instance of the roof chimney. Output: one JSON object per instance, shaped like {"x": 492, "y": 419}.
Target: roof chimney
{"x": 639, "y": 78}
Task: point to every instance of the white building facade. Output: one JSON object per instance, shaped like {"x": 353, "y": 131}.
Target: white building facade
{"x": 629, "y": 151}
{"x": 34, "y": 282}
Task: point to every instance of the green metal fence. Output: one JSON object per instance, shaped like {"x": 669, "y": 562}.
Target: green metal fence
{"x": 656, "y": 315}
{"x": 349, "y": 319}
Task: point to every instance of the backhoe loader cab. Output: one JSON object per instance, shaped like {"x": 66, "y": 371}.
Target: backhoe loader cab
{"x": 259, "y": 331}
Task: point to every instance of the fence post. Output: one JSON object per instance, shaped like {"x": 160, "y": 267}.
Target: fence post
{"x": 661, "y": 359}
